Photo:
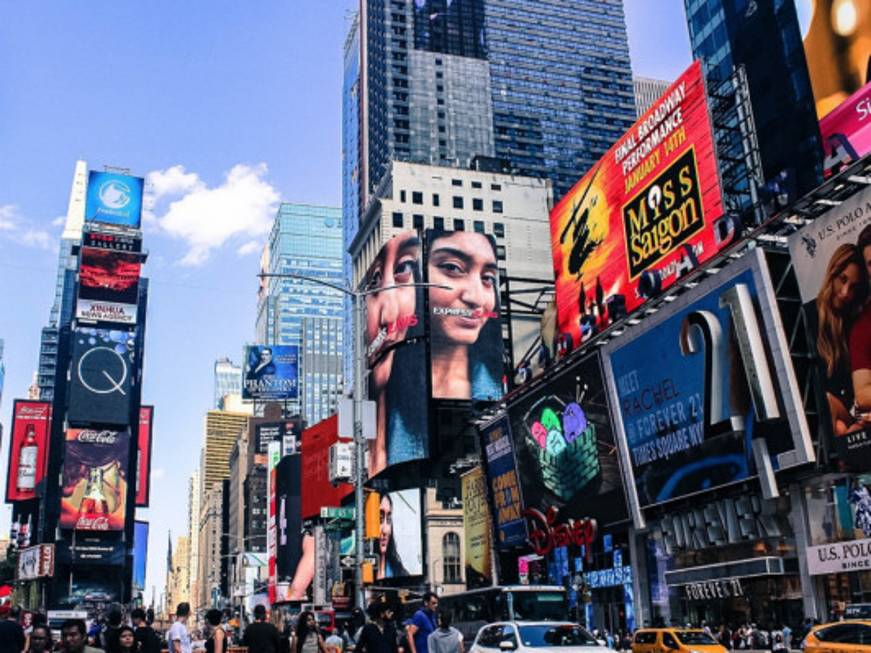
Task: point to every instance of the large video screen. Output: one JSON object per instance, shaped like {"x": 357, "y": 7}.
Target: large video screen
{"x": 28, "y": 449}
{"x": 271, "y": 372}
{"x": 644, "y": 215}
{"x": 500, "y": 467}
{"x": 143, "y": 456}
{"x": 103, "y": 371}
{"x": 113, "y": 198}
{"x": 399, "y": 549}
{"x": 108, "y": 285}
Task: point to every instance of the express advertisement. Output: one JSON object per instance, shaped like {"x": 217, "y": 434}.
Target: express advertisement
{"x": 832, "y": 261}
{"x": 317, "y": 489}
{"x": 108, "y": 285}
{"x": 28, "y": 449}
{"x": 645, "y": 214}
{"x": 464, "y": 328}
{"x": 504, "y": 483}
{"x": 399, "y": 548}
{"x": 140, "y": 553}
{"x": 95, "y": 479}
{"x": 114, "y": 198}
{"x": 102, "y": 376}
{"x": 701, "y": 386}
{"x": 564, "y": 446}
{"x": 477, "y": 529}
{"x": 271, "y": 372}
{"x": 143, "y": 456}
{"x": 396, "y": 354}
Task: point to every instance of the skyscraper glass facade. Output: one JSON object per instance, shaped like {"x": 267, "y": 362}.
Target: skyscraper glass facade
{"x": 228, "y": 381}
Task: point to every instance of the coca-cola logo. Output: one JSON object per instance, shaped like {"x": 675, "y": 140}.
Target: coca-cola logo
{"x": 545, "y": 534}
{"x": 97, "y": 437}
{"x": 92, "y": 524}
{"x": 32, "y": 412}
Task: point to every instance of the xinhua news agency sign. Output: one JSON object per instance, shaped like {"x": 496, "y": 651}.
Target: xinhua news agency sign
{"x": 840, "y": 557}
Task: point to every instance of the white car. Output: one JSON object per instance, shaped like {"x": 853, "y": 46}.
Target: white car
{"x": 535, "y": 637}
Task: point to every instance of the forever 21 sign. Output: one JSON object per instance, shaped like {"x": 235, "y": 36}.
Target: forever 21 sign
{"x": 713, "y": 589}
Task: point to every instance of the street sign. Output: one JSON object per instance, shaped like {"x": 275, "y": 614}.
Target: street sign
{"x": 348, "y": 562}
{"x": 346, "y": 514}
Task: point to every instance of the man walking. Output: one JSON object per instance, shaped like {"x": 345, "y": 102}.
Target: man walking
{"x": 11, "y": 632}
{"x": 73, "y": 633}
{"x": 146, "y": 638}
{"x": 445, "y": 638}
{"x": 261, "y": 636}
{"x": 423, "y": 623}
{"x": 178, "y": 638}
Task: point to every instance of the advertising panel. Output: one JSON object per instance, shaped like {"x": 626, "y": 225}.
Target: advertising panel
{"x": 464, "y": 328}
{"x": 287, "y": 514}
{"x": 396, "y": 355}
{"x": 114, "y": 198}
{"x": 846, "y": 131}
{"x": 317, "y": 490}
{"x": 477, "y": 529}
{"x": 116, "y": 242}
{"x": 699, "y": 387}
{"x": 91, "y": 589}
{"x": 270, "y": 372}
{"x": 832, "y": 261}
{"x": 267, "y": 431}
{"x": 143, "y": 456}
{"x": 91, "y": 549}
{"x": 140, "y": 553}
{"x": 399, "y": 548}
{"x": 272, "y": 457}
{"x": 644, "y": 215}
{"x": 502, "y": 478}
{"x": 101, "y": 376}
{"x": 36, "y": 562}
{"x": 108, "y": 285}
{"x": 28, "y": 449}
{"x": 94, "y": 488}
{"x": 565, "y": 449}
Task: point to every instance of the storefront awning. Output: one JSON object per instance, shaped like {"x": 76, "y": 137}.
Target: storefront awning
{"x": 767, "y": 566}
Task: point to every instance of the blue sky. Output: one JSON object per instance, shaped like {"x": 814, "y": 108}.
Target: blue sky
{"x": 229, "y": 107}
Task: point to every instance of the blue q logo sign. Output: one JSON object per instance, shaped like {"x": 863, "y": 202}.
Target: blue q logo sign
{"x": 114, "y": 199}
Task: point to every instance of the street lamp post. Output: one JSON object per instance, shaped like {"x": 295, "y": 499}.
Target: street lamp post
{"x": 358, "y": 305}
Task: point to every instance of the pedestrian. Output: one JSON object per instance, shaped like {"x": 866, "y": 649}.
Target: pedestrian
{"x": 109, "y": 637}
{"x": 217, "y": 642}
{"x": 261, "y": 636}
{"x": 307, "y": 638}
{"x": 41, "y": 640}
{"x": 335, "y": 643}
{"x": 379, "y": 635}
{"x": 787, "y": 636}
{"x": 724, "y": 636}
{"x": 445, "y": 638}
{"x": 124, "y": 641}
{"x": 149, "y": 641}
{"x": 73, "y": 637}
{"x": 423, "y": 623}
{"x": 179, "y": 639}
{"x": 11, "y": 633}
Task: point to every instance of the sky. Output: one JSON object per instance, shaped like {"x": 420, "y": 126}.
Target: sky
{"x": 226, "y": 108}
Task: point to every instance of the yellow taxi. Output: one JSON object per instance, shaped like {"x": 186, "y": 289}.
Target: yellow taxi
{"x": 669, "y": 640}
{"x": 839, "y": 637}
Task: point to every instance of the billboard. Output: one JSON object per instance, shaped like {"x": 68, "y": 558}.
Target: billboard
{"x": 564, "y": 446}
{"x": 846, "y": 131}
{"x": 317, "y": 490}
{"x": 94, "y": 485}
{"x": 143, "y": 456}
{"x": 140, "y": 553}
{"x": 832, "y": 261}
{"x": 399, "y": 548}
{"x": 502, "y": 478}
{"x": 108, "y": 285}
{"x": 396, "y": 354}
{"x": 477, "y": 529}
{"x": 28, "y": 449}
{"x": 268, "y": 431}
{"x": 114, "y": 198}
{"x": 270, "y": 372}
{"x": 464, "y": 328}
{"x": 644, "y": 215}
{"x": 116, "y": 242}
{"x": 102, "y": 376}
{"x": 91, "y": 549}
{"x": 272, "y": 457}
{"x": 35, "y": 562}
{"x": 698, "y": 389}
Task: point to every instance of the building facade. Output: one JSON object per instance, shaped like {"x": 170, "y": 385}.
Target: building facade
{"x": 178, "y": 577}
{"x": 647, "y": 91}
{"x": 228, "y": 381}
{"x": 194, "y": 504}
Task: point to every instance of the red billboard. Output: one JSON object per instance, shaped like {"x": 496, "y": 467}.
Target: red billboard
{"x": 28, "y": 450}
{"x": 317, "y": 491}
{"x": 143, "y": 456}
{"x": 643, "y": 216}
{"x": 108, "y": 285}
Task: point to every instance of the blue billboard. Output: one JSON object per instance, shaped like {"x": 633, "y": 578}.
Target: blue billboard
{"x": 500, "y": 467}
{"x": 270, "y": 372}
{"x": 140, "y": 553}
{"x": 114, "y": 198}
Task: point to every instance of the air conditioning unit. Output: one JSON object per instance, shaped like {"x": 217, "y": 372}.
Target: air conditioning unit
{"x": 341, "y": 462}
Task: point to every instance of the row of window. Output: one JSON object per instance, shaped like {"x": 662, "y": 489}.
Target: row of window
{"x": 458, "y": 201}
{"x": 459, "y": 224}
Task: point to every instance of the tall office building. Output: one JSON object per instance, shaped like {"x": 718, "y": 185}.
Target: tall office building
{"x": 647, "y": 91}
{"x": 193, "y": 539}
{"x": 228, "y": 381}
{"x": 765, "y": 38}
{"x": 305, "y": 240}
{"x": 222, "y": 429}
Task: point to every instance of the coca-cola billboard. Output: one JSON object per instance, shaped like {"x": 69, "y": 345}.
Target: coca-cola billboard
{"x": 28, "y": 451}
{"x": 95, "y": 479}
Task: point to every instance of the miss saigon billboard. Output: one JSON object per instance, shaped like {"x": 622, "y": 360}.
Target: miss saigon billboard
{"x": 644, "y": 215}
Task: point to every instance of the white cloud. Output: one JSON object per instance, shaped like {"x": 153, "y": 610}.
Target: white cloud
{"x": 250, "y": 247}
{"x": 16, "y": 228}
{"x": 205, "y": 218}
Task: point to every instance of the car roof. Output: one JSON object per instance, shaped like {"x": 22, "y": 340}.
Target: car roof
{"x": 864, "y": 622}
{"x": 532, "y": 623}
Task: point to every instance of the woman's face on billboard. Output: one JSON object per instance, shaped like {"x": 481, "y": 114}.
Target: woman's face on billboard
{"x": 386, "y": 524}
{"x": 844, "y": 287}
{"x": 390, "y": 313}
{"x": 466, "y": 263}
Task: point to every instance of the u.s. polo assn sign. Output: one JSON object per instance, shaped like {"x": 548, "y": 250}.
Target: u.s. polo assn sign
{"x": 839, "y": 557}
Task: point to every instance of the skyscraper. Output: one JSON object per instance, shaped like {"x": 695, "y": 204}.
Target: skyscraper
{"x": 228, "y": 381}
{"x": 647, "y": 91}
{"x": 765, "y": 38}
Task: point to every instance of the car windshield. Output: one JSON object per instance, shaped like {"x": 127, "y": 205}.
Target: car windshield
{"x": 567, "y": 635}
{"x": 694, "y": 637}
{"x": 539, "y": 606}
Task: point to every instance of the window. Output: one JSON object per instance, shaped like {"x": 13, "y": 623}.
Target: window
{"x": 456, "y": 182}
{"x": 669, "y": 642}
{"x": 402, "y": 196}
{"x": 435, "y": 199}
{"x": 459, "y": 225}
{"x": 438, "y": 62}
{"x": 476, "y": 184}
{"x": 495, "y": 186}
{"x": 497, "y": 206}
{"x": 397, "y": 220}
{"x": 499, "y": 230}
{"x": 451, "y": 559}
{"x": 417, "y": 221}
{"x": 458, "y": 202}
{"x": 438, "y": 223}
{"x": 416, "y": 197}
{"x": 441, "y": 115}
{"x": 477, "y": 204}
{"x": 440, "y": 88}
{"x": 439, "y": 74}
{"x": 479, "y": 227}
{"x": 500, "y": 252}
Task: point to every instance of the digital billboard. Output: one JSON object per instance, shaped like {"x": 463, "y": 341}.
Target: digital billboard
{"x": 95, "y": 479}
{"x": 268, "y": 431}
{"x": 564, "y": 446}
{"x": 289, "y": 534}
{"x": 117, "y": 242}
{"x": 700, "y": 386}
{"x": 644, "y": 215}
{"x": 396, "y": 354}
{"x": 846, "y": 131}
{"x": 102, "y": 376}
{"x": 92, "y": 549}
{"x": 399, "y": 547}
{"x": 503, "y": 481}
{"x": 114, "y": 199}
{"x": 28, "y": 449}
{"x": 464, "y": 328}
{"x": 270, "y": 373}
{"x": 140, "y": 553}
{"x": 272, "y": 457}
{"x": 477, "y": 529}
{"x": 832, "y": 261}
{"x": 108, "y": 285}
{"x": 143, "y": 456}
{"x": 317, "y": 489}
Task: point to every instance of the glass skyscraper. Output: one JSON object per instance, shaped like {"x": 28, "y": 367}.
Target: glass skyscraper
{"x": 228, "y": 381}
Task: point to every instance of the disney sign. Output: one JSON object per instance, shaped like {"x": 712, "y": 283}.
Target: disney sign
{"x": 545, "y": 534}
